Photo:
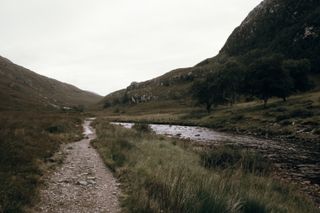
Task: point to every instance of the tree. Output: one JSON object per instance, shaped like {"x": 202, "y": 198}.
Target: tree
{"x": 299, "y": 70}
{"x": 209, "y": 91}
{"x": 107, "y": 104}
{"x": 231, "y": 78}
{"x": 200, "y": 91}
{"x": 266, "y": 78}
{"x": 125, "y": 98}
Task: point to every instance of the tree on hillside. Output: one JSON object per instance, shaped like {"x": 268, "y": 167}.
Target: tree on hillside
{"x": 124, "y": 99}
{"x": 266, "y": 78}
{"x": 231, "y": 78}
{"x": 299, "y": 70}
{"x": 210, "y": 91}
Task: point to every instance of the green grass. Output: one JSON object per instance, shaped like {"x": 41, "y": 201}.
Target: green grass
{"x": 27, "y": 142}
{"x": 165, "y": 175}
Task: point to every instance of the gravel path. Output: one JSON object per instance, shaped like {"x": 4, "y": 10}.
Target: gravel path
{"x": 82, "y": 183}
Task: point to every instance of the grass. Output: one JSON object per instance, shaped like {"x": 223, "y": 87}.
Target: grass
{"x": 27, "y": 142}
{"x": 232, "y": 158}
{"x": 159, "y": 174}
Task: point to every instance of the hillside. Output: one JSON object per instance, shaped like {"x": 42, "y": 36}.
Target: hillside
{"x": 289, "y": 28}
{"x": 21, "y": 89}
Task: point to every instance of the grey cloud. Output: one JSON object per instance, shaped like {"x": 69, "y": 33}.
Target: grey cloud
{"x": 103, "y": 45}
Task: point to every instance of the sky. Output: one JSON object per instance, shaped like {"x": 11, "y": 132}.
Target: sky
{"x": 104, "y": 45}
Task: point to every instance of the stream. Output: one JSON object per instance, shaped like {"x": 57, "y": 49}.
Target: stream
{"x": 298, "y": 163}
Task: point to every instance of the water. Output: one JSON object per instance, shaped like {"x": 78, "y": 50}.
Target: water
{"x": 202, "y": 134}
{"x": 87, "y": 129}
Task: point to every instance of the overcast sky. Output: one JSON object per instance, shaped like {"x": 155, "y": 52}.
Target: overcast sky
{"x": 104, "y": 45}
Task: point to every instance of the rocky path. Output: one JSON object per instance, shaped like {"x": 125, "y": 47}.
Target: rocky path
{"x": 82, "y": 183}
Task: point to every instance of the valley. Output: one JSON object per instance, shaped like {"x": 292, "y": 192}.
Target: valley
{"x": 236, "y": 132}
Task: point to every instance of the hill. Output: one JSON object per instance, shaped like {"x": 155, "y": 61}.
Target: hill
{"x": 22, "y": 89}
{"x": 288, "y": 28}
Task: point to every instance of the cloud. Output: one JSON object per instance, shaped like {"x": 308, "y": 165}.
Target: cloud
{"x": 103, "y": 45}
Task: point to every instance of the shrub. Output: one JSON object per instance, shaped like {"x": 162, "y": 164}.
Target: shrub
{"x": 55, "y": 129}
{"x": 141, "y": 127}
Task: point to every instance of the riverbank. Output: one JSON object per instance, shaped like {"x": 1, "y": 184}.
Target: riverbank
{"x": 293, "y": 163}
{"x": 161, "y": 174}
{"x": 297, "y": 120}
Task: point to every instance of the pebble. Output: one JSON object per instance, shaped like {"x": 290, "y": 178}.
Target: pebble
{"x": 83, "y": 183}
{"x": 82, "y": 166}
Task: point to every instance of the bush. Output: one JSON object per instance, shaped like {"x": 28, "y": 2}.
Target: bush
{"x": 141, "y": 127}
{"x": 55, "y": 129}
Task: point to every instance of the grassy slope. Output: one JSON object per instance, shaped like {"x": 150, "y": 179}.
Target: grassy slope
{"x": 27, "y": 142}
{"x": 298, "y": 118}
{"x": 21, "y": 88}
{"x": 164, "y": 175}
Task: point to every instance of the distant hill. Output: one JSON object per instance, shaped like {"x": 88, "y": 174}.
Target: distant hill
{"x": 289, "y": 28}
{"x": 22, "y": 89}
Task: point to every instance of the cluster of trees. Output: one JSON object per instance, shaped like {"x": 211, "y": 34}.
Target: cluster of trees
{"x": 266, "y": 77}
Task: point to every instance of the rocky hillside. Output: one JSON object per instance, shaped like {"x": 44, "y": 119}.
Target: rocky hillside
{"x": 289, "y": 28}
{"x": 22, "y": 89}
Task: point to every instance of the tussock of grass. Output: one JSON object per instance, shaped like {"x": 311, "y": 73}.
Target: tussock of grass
{"x": 141, "y": 127}
{"x": 27, "y": 140}
{"x": 160, "y": 176}
{"x": 232, "y": 158}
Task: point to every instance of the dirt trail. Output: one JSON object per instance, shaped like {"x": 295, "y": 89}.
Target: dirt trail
{"x": 82, "y": 183}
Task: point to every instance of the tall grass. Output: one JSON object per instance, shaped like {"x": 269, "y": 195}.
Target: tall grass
{"x": 159, "y": 176}
{"x": 225, "y": 157}
{"x": 27, "y": 141}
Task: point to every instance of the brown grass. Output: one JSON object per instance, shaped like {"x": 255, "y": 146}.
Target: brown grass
{"x": 27, "y": 141}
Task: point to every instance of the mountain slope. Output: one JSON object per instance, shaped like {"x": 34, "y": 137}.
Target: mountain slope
{"x": 289, "y": 28}
{"x": 21, "y": 89}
